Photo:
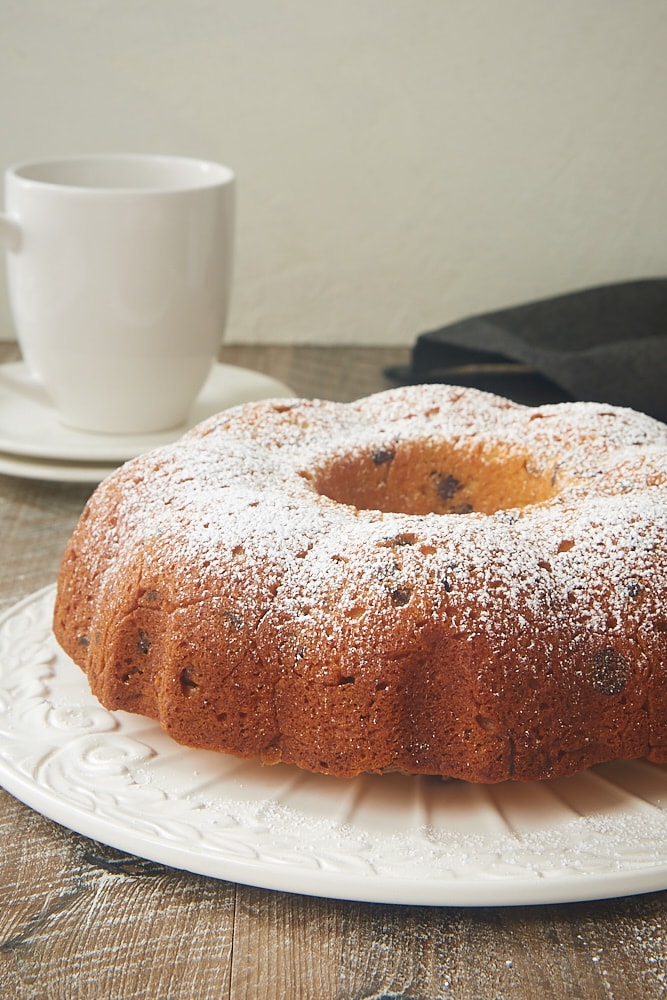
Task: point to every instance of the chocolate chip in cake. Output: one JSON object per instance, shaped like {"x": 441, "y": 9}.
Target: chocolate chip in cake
{"x": 610, "y": 671}
{"x": 382, "y": 455}
{"x": 400, "y": 596}
{"x": 188, "y": 683}
{"x": 447, "y": 487}
{"x": 236, "y": 621}
{"x": 144, "y": 643}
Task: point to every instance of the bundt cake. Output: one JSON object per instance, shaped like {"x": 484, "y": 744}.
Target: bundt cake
{"x": 432, "y": 580}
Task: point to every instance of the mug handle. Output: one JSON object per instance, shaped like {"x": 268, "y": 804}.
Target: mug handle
{"x": 10, "y": 232}
{"x": 17, "y": 381}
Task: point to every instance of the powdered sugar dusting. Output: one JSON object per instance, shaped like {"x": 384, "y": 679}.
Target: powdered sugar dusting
{"x": 241, "y": 486}
{"x": 331, "y": 587}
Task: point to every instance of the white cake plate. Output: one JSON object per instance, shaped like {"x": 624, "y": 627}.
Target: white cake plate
{"x": 119, "y": 779}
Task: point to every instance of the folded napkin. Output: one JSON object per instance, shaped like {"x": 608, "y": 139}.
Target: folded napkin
{"x": 605, "y": 344}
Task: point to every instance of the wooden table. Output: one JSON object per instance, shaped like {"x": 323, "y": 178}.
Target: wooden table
{"x": 82, "y": 920}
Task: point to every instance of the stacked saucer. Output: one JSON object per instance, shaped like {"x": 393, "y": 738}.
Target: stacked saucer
{"x": 35, "y": 445}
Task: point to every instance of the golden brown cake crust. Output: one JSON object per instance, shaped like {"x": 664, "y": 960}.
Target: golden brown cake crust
{"x": 432, "y": 579}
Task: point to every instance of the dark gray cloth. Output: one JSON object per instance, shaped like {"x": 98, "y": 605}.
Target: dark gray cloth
{"x": 606, "y": 344}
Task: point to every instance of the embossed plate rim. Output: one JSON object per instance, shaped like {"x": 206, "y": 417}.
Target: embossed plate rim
{"x": 120, "y": 780}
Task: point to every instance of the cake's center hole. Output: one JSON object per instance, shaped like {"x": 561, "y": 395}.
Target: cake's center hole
{"x": 425, "y": 478}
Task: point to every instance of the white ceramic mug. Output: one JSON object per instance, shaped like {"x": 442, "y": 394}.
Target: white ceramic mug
{"x": 119, "y": 272}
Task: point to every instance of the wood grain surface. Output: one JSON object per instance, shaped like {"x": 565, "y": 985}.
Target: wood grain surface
{"x": 82, "y": 921}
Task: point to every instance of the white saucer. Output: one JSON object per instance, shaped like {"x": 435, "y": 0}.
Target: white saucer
{"x": 54, "y": 471}
{"x": 30, "y": 429}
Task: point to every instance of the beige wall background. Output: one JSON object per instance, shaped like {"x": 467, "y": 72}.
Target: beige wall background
{"x": 401, "y": 163}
